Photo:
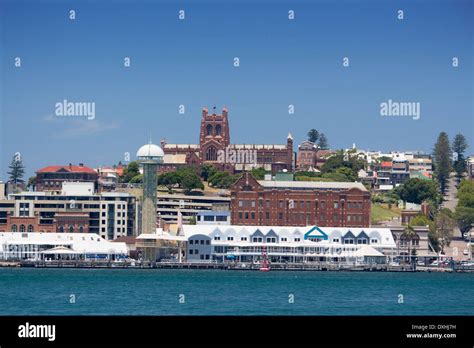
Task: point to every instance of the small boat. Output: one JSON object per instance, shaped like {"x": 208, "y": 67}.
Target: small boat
{"x": 265, "y": 267}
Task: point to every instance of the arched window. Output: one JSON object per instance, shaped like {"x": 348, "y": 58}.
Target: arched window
{"x": 22, "y": 228}
{"x": 218, "y": 130}
{"x": 209, "y": 129}
{"x": 30, "y": 228}
{"x": 61, "y": 228}
{"x": 211, "y": 154}
{"x": 81, "y": 229}
{"x": 71, "y": 228}
{"x": 14, "y": 228}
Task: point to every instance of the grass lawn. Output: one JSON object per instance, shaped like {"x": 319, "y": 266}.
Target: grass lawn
{"x": 381, "y": 212}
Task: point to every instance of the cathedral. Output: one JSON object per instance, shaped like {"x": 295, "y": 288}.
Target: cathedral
{"x": 214, "y": 147}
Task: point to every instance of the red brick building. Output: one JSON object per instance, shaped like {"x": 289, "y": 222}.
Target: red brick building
{"x": 215, "y": 147}
{"x": 299, "y": 203}
{"x": 310, "y": 156}
{"x": 51, "y": 178}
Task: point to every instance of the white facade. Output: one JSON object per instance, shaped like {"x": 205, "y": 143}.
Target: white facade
{"x": 21, "y": 246}
{"x": 288, "y": 244}
{"x": 77, "y": 188}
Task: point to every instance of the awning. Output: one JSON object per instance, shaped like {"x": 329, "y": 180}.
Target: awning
{"x": 59, "y": 250}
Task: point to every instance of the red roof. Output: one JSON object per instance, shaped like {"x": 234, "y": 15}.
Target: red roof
{"x": 386, "y": 164}
{"x": 70, "y": 169}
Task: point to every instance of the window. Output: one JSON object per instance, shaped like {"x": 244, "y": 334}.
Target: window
{"x": 211, "y": 154}
{"x": 190, "y": 251}
{"x": 217, "y": 238}
{"x": 271, "y": 240}
{"x": 284, "y": 239}
{"x": 257, "y": 239}
{"x": 280, "y": 204}
{"x": 297, "y": 239}
{"x": 280, "y": 216}
{"x": 191, "y": 241}
{"x": 252, "y": 215}
{"x": 323, "y": 204}
{"x": 209, "y": 130}
{"x": 243, "y": 239}
{"x": 71, "y": 229}
{"x": 240, "y": 215}
{"x": 336, "y": 205}
{"x": 221, "y": 218}
{"x": 348, "y": 241}
{"x": 30, "y": 228}
{"x": 374, "y": 241}
{"x": 218, "y": 130}
{"x": 335, "y": 240}
{"x": 241, "y": 203}
{"x": 246, "y": 215}
{"x": 230, "y": 238}
{"x": 196, "y": 252}
{"x": 361, "y": 241}
{"x": 22, "y": 228}
{"x": 14, "y": 228}
{"x": 201, "y": 241}
{"x": 208, "y": 218}
{"x": 267, "y": 215}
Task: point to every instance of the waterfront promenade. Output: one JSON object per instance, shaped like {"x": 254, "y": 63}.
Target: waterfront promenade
{"x": 312, "y": 266}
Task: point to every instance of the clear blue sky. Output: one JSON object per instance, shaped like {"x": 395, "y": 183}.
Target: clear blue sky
{"x": 190, "y": 62}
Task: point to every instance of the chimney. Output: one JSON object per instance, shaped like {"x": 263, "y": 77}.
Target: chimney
{"x": 81, "y": 164}
{"x": 70, "y": 165}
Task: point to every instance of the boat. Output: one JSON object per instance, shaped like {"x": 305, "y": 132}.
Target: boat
{"x": 265, "y": 267}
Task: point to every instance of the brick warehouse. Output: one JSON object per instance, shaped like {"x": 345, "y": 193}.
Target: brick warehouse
{"x": 214, "y": 137}
{"x": 299, "y": 203}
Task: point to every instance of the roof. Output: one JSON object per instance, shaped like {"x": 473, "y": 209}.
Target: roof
{"x": 80, "y": 242}
{"x": 150, "y": 150}
{"x": 125, "y": 239}
{"x": 386, "y": 164}
{"x": 67, "y": 168}
{"x": 312, "y": 185}
{"x": 59, "y": 250}
{"x": 174, "y": 159}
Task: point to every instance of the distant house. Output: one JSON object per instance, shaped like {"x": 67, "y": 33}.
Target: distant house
{"x": 51, "y": 178}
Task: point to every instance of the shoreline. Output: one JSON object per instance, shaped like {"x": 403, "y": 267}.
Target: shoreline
{"x": 322, "y": 267}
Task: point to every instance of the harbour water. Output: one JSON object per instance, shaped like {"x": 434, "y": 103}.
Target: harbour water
{"x": 26, "y": 291}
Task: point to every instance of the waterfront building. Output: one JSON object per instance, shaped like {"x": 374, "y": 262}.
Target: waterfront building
{"x": 299, "y": 203}
{"x": 416, "y": 245}
{"x": 215, "y": 147}
{"x": 292, "y": 244}
{"x": 72, "y": 246}
{"x": 51, "y": 178}
{"x": 109, "y": 214}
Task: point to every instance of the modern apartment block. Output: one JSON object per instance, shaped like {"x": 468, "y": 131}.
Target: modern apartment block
{"x": 110, "y": 215}
{"x": 169, "y": 204}
{"x": 299, "y": 203}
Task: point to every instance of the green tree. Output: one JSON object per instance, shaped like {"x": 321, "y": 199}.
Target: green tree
{"x": 323, "y": 143}
{"x": 31, "y": 181}
{"x": 313, "y": 135}
{"x": 459, "y": 147}
{"x": 207, "y": 170}
{"x": 417, "y": 190}
{"x": 464, "y": 212}
{"x": 17, "y": 170}
{"x": 189, "y": 180}
{"x": 347, "y": 172}
{"x": 464, "y": 217}
{"x": 131, "y": 171}
{"x": 441, "y": 160}
{"x": 169, "y": 180}
{"x": 137, "y": 179}
{"x": 258, "y": 173}
{"x": 408, "y": 236}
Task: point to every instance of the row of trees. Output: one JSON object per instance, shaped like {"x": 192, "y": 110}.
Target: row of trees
{"x": 464, "y": 211}
{"x": 448, "y": 157}
{"x": 319, "y": 139}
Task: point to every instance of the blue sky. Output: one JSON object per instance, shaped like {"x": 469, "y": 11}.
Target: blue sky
{"x": 190, "y": 62}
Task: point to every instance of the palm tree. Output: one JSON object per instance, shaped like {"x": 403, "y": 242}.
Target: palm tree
{"x": 409, "y": 235}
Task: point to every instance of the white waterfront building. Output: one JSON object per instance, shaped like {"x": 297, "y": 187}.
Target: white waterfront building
{"x": 38, "y": 246}
{"x": 221, "y": 243}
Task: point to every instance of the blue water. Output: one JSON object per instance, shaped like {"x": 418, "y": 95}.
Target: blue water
{"x": 217, "y": 292}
